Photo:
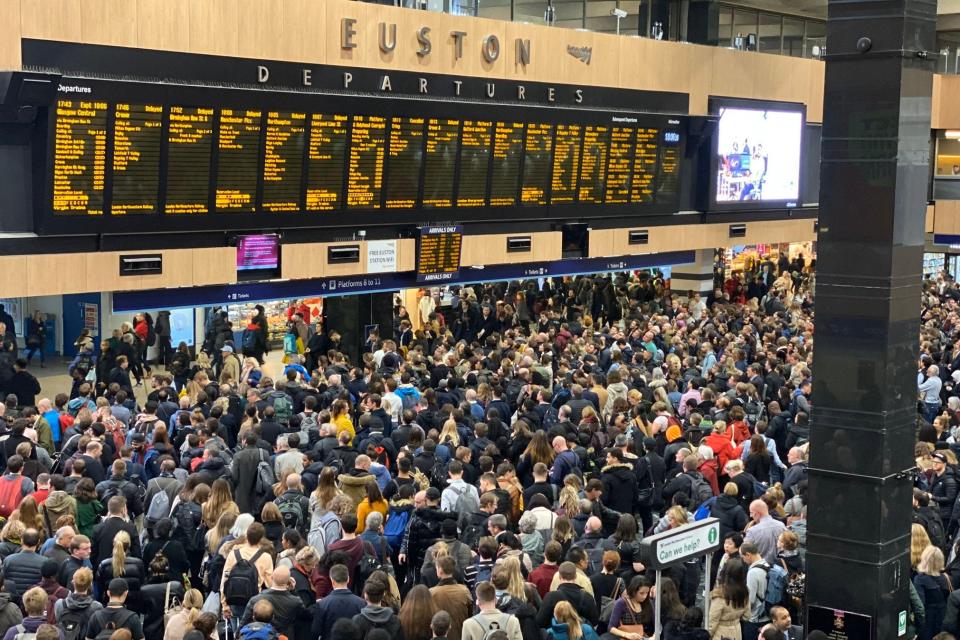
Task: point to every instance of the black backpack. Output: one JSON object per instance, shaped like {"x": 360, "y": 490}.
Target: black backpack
{"x": 111, "y": 625}
{"x": 188, "y": 526}
{"x": 73, "y": 622}
{"x": 213, "y": 572}
{"x": 243, "y": 580}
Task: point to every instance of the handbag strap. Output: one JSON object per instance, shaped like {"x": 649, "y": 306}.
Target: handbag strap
{"x": 166, "y": 598}
{"x": 616, "y": 588}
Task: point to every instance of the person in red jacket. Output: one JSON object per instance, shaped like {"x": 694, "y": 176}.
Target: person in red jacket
{"x": 741, "y": 430}
{"x": 720, "y": 441}
{"x": 708, "y": 467}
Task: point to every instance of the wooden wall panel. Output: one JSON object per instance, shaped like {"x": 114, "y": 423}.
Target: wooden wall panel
{"x": 300, "y": 261}
{"x": 109, "y": 22}
{"x": 214, "y": 265}
{"x": 53, "y": 274}
{"x": 51, "y": 19}
{"x": 945, "y": 111}
{"x": 406, "y": 254}
{"x": 947, "y": 217}
{"x": 14, "y": 270}
{"x": 214, "y": 27}
{"x": 163, "y": 24}
{"x": 280, "y": 30}
{"x": 10, "y": 34}
{"x": 615, "y": 242}
{"x": 492, "y": 249}
{"x": 929, "y": 218}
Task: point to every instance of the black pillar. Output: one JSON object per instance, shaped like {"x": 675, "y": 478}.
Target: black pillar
{"x": 350, "y": 315}
{"x": 875, "y": 151}
{"x": 703, "y": 22}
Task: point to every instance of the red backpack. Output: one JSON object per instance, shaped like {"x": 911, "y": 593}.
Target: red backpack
{"x": 11, "y": 492}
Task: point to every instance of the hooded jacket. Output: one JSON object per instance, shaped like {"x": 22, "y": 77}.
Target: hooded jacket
{"x": 353, "y": 484}
{"x": 76, "y": 602}
{"x": 10, "y": 614}
{"x": 377, "y": 617}
{"x": 561, "y": 631}
{"x": 731, "y": 515}
{"x": 619, "y": 487}
{"x": 423, "y": 532}
{"x": 57, "y": 504}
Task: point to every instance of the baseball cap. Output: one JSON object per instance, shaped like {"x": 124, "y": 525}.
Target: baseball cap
{"x": 227, "y": 349}
{"x": 940, "y": 457}
{"x": 138, "y": 437}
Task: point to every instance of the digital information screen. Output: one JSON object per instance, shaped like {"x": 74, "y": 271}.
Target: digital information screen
{"x": 258, "y": 252}
{"x": 283, "y": 160}
{"x": 368, "y": 143}
{"x": 758, "y": 152}
{"x": 440, "y": 163}
{"x": 238, "y": 149}
{"x": 438, "y": 253}
{"x": 537, "y": 153}
{"x": 566, "y": 164}
{"x": 405, "y": 162}
{"x": 189, "y": 146}
{"x": 593, "y": 167}
{"x": 186, "y": 153}
{"x": 507, "y": 157}
{"x": 474, "y": 163}
{"x": 137, "y": 138}
{"x": 79, "y": 157}
{"x": 326, "y": 154}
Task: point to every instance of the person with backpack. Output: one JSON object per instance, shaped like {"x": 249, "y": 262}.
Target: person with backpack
{"x": 757, "y": 576}
{"x": 289, "y": 612}
{"x": 115, "y": 615}
{"x": 341, "y": 603}
{"x": 293, "y": 505}
{"x": 489, "y": 620}
{"x": 459, "y": 497}
{"x": 35, "y": 605}
{"x": 118, "y": 485}
{"x": 73, "y": 613}
{"x": 244, "y": 472}
{"x": 246, "y": 569}
{"x": 161, "y": 492}
{"x": 566, "y": 462}
{"x": 689, "y": 481}
{"x": 376, "y": 616}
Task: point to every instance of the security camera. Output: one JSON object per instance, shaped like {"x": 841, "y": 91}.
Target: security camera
{"x": 362, "y": 234}
{"x": 620, "y": 13}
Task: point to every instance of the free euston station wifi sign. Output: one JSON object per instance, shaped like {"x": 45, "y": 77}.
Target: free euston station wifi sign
{"x": 683, "y": 543}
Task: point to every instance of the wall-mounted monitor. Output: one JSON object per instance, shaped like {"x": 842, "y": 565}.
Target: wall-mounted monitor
{"x": 757, "y": 155}
{"x": 258, "y": 256}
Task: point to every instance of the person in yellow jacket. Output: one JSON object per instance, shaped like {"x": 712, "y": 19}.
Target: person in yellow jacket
{"x": 373, "y": 502}
{"x": 340, "y": 417}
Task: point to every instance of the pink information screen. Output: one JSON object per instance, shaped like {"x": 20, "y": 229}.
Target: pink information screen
{"x": 258, "y": 252}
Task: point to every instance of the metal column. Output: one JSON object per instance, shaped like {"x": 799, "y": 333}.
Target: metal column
{"x": 876, "y": 132}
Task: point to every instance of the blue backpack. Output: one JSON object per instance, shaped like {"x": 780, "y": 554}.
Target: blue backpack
{"x": 703, "y": 511}
{"x": 249, "y": 340}
{"x": 776, "y": 593}
{"x": 397, "y": 521}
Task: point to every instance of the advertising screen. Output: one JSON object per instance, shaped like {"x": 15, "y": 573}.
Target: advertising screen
{"x": 258, "y": 252}
{"x": 758, "y": 156}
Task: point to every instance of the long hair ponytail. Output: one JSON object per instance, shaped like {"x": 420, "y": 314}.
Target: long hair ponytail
{"x": 121, "y": 543}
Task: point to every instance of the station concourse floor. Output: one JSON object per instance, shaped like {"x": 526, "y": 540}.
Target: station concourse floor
{"x": 54, "y": 378}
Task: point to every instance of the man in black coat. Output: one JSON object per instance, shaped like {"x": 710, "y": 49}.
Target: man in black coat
{"x": 119, "y": 485}
{"x": 289, "y": 614}
{"x": 24, "y": 384}
{"x": 619, "y": 483}
{"x": 245, "y": 472}
{"x": 568, "y": 590}
{"x": 104, "y": 533}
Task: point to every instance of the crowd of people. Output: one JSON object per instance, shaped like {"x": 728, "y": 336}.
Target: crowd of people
{"x": 486, "y": 472}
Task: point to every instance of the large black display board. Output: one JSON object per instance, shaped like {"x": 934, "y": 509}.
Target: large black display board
{"x": 185, "y": 156}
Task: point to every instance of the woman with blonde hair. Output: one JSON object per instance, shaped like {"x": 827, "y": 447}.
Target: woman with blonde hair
{"x": 182, "y": 621}
{"x": 29, "y": 514}
{"x": 10, "y": 537}
{"x": 568, "y": 502}
{"x": 272, "y": 523}
{"x": 933, "y": 587}
{"x": 517, "y": 587}
{"x": 219, "y": 532}
{"x": 449, "y": 436}
{"x": 676, "y": 516}
{"x": 567, "y": 625}
{"x": 919, "y": 542}
{"x": 326, "y": 490}
{"x": 121, "y": 565}
{"x": 219, "y": 502}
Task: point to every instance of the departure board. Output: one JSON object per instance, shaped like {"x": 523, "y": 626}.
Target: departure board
{"x": 507, "y": 158}
{"x": 405, "y": 162}
{"x": 669, "y": 183}
{"x": 283, "y": 160}
{"x": 644, "y": 166}
{"x": 440, "y": 163}
{"x": 474, "y": 163}
{"x": 619, "y": 166}
{"x": 238, "y": 149}
{"x": 368, "y": 143}
{"x": 537, "y": 154}
{"x": 137, "y": 138}
{"x": 79, "y": 157}
{"x": 189, "y": 145}
{"x": 325, "y": 161}
{"x": 566, "y": 164}
{"x": 593, "y": 164}
{"x": 438, "y": 253}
